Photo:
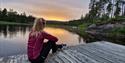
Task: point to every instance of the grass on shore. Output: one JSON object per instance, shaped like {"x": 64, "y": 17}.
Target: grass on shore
{"x": 117, "y": 31}
{"x": 12, "y": 23}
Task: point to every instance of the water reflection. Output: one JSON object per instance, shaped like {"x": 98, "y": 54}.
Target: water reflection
{"x": 13, "y": 39}
{"x": 12, "y": 30}
{"x": 65, "y": 36}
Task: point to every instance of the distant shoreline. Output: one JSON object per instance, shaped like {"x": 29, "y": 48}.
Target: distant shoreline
{"x": 12, "y": 23}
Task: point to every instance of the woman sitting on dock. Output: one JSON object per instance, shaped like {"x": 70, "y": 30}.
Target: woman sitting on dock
{"x": 37, "y": 49}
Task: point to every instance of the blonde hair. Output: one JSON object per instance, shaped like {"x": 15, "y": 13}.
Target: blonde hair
{"x": 39, "y": 24}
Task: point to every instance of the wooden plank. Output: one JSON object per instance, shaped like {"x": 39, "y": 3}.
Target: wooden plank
{"x": 94, "y": 56}
{"x": 105, "y": 55}
{"x": 108, "y": 50}
{"x": 80, "y": 57}
{"x": 116, "y": 48}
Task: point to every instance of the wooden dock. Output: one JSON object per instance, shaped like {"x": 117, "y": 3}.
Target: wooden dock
{"x": 97, "y": 52}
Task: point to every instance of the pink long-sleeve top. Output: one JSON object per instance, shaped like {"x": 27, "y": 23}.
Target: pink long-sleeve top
{"x": 35, "y": 43}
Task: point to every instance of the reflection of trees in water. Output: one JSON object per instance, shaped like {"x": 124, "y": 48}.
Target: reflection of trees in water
{"x": 12, "y": 30}
{"x": 3, "y": 30}
{"x": 23, "y": 30}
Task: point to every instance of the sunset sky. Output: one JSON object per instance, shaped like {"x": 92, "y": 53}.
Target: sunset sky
{"x": 49, "y": 9}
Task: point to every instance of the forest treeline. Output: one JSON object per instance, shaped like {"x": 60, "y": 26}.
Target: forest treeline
{"x": 105, "y": 10}
{"x": 13, "y": 16}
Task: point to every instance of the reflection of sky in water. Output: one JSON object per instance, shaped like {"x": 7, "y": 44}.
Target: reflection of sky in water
{"x": 14, "y": 40}
{"x": 64, "y": 36}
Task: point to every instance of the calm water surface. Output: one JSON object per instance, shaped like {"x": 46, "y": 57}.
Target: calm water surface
{"x": 13, "y": 39}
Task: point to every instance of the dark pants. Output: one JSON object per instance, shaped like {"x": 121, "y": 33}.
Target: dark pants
{"x": 45, "y": 51}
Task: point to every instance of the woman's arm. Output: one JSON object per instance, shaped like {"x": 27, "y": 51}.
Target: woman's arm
{"x": 49, "y": 37}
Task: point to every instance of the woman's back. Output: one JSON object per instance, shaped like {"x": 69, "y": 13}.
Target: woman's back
{"x": 35, "y": 43}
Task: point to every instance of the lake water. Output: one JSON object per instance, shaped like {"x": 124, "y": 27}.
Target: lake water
{"x": 13, "y": 39}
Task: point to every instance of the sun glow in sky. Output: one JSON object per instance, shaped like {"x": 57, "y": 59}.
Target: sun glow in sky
{"x": 62, "y": 10}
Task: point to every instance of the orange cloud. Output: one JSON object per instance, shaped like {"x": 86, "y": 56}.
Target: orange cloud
{"x": 54, "y": 13}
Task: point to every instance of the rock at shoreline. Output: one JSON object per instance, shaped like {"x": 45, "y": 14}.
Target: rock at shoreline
{"x": 92, "y": 26}
{"x": 105, "y": 27}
